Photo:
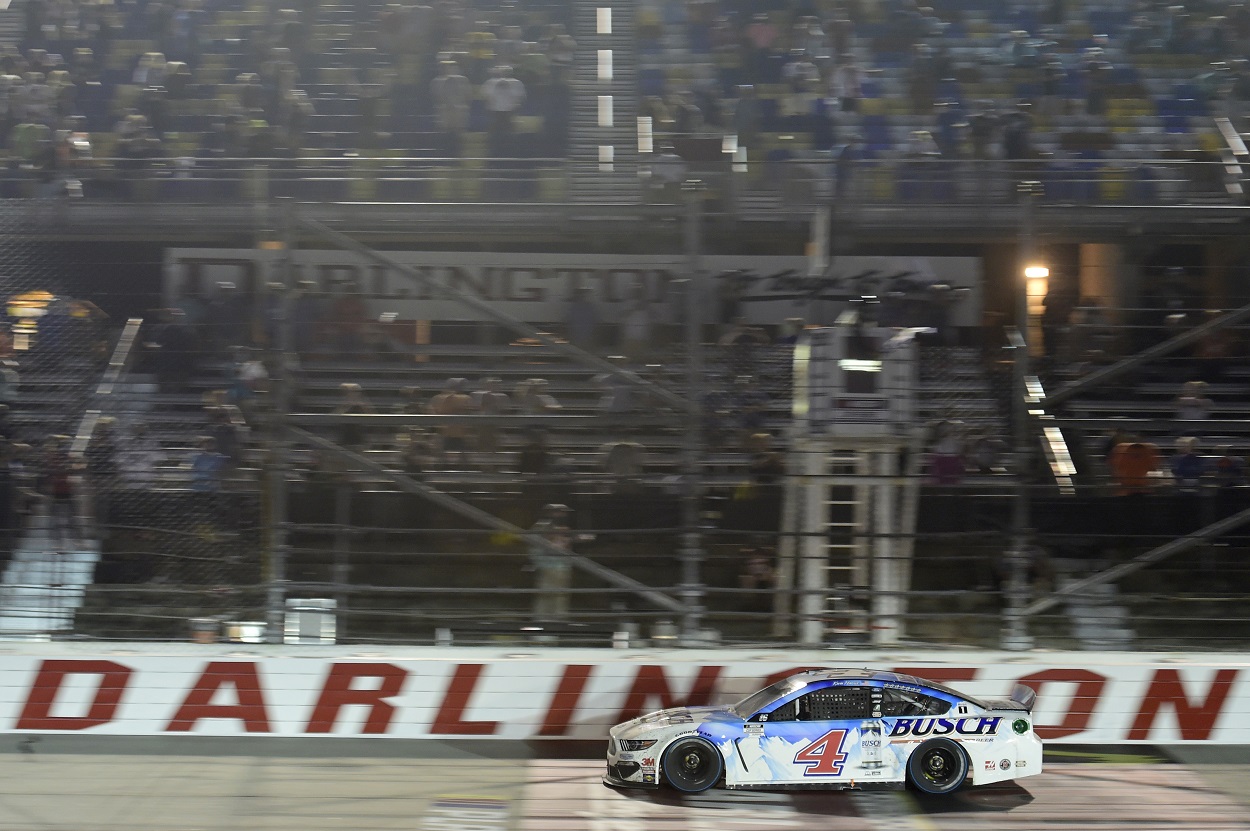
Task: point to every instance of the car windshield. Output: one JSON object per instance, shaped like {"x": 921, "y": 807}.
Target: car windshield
{"x": 755, "y": 702}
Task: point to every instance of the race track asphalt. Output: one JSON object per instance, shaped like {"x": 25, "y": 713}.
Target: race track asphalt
{"x": 200, "y": 784}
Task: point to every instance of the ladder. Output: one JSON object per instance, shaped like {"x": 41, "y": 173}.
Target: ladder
{"x": 848, "y": 526}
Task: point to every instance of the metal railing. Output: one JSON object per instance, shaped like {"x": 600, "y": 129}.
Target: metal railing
{"x": 732, "y": 186}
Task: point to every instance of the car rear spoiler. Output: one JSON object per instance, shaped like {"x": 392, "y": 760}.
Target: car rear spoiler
{"x": 1024, "y": 696}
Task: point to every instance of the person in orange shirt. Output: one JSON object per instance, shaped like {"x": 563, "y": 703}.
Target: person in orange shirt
{"x": 1132, "y": 462}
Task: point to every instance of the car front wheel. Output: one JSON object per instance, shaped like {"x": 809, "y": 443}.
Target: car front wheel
{"x": 692, "y": 765}
{"x": 939, "y": 766}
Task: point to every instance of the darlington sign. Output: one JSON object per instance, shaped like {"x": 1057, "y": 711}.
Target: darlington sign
{"x": 1081, "y": 699}
{"x": 538, "y": 287}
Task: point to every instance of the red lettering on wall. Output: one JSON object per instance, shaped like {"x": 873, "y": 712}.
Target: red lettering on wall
{"x": 249, "y": 705}
{"x": 36, "y": 714}
{"x": 564, "y": 702}
{"x": 450, "y": 718}
{"x": 651, "y": 683}
{"x": 337, "y": 692}
{"x": 1089, "y": 687}
{"x": 1197, "y": 719}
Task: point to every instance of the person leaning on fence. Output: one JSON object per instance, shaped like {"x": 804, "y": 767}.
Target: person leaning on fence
{"x": 554, "y": 570}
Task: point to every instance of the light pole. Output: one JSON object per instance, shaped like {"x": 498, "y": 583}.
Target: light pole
{"x": 1015, "y": 625}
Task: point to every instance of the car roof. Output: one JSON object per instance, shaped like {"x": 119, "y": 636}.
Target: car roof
{"x": 854, "y": 674}
{"x": 884, "y": 677}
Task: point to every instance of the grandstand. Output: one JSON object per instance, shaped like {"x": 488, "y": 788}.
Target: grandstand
{"x": 274, "y": 199}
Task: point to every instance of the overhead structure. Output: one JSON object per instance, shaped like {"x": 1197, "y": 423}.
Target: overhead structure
{"x": 849, "y": 516}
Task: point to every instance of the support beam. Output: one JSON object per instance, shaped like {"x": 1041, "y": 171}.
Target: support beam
{"x": 1157, "y": 351}
{"x": 488, "y": 520}
{"x": 1141, "y": 561}
{"x": 489, "y": 310}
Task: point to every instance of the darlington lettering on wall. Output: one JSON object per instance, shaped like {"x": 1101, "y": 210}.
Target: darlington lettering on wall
{"x": 538, "y": 287}
{"x": 530, "y": 699}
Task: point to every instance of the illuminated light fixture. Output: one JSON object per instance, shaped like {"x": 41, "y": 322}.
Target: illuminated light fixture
{"x": 729, "y": 144}
{"x": 740, "y": 160}
{"x": 605, "y": 110}
{"x": 859, "y": 365}
{"x": 603, "y": 20}
{"x": 1036, "y": 272}
{"x": 605, "y": 64}
{"x": 607, "y": 154}
{"x": 646, "y": 138}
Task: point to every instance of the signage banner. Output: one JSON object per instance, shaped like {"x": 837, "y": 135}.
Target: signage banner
{"x": 1081, "y": 697}
{"x": 538, "y": 287}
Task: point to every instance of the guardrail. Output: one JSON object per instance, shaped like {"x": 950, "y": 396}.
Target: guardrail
{"x": 732, "y": 186}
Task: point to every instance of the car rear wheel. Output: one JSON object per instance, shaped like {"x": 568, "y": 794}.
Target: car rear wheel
{"x": 939, "y": 766}
{"x": 692, "y": 765}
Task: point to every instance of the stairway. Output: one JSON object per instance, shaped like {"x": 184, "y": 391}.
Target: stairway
{"x": 1098, "y": 621}
{"x": 45, "y": 582}
{"x": 594, "y": 179}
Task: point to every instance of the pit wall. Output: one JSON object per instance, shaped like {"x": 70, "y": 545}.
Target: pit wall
{"x": 522, "y": 694}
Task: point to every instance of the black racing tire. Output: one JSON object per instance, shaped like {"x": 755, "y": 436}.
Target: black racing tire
{"x": 939, "y": 766}
{"x": 692, "y": 764}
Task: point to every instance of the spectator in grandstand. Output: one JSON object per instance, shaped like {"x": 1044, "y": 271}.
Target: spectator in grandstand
{"x": 57, "y": 475}
{"x": 490, "y": 400}
{"x": 1114, "y": 439}
{"x": 137, "y": 458}
{"x": 846, "y": 84}
{"x": 1187, "y": 465}
{"x": 748, "y": 408}
{"x": 102, "y": 473}
{"x": 1134, "y": 465}
{"x": 418, "y": 451}
{"x": 636, "y": 329}
{"x": 502, "y": 94}
{"x": 207, "y": 467}
{"x": 534, "y": 458}
{"x": 352, "y": 401}
{"x": 454, "y": 400}
{"x": 228, "y": 430}
{"x": 624, "y": 462}
{"x": 251, "y": 380}
{"x": 452, "y": 94}
{"x": 347, "y": 318}
{"x": 758, "y": 577}
{"x": 307, "y": 313}
{"x": 844, "y": 161}
{"x": 560, "y": 48}
{"x": 410, "y": 402}
{"x": 1228, "y": 474}
{"x": 582, "y": 319}
{"x": 532, "y": 397}
{"x": 766, "y": 465}
{"x": 175, "y": 351}
{"x": 554, "y": 570}
{"x": 1193, "y": 405}
{"x": 741, "y": 343}
{"x": 618, "y": 396}
{"x": 747, "y": 117}
{"x": 946, "y": 455}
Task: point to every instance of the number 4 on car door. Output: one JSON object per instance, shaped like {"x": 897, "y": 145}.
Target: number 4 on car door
{"x": 823, "y": 757}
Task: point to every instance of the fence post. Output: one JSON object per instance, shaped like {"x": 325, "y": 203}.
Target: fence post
{"x": 278, "y": 462}
{"x": 692, "y": 588}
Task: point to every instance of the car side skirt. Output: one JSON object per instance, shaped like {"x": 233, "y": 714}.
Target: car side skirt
{"x": 820, "y": 786}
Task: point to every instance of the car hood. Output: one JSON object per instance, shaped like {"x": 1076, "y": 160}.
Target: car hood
{"x": 677, "y": 716}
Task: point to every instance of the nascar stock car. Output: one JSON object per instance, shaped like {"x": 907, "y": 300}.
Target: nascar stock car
{"x": 832, "y": 728}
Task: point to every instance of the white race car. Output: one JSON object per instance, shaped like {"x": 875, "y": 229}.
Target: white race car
{"x": 832, "y": 728}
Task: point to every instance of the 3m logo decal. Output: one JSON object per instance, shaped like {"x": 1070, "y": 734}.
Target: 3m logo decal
{"x": 823, "y": 757}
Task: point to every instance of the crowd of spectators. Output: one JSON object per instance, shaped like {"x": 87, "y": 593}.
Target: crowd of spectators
{"x": 1069, "y": 83}
{"x": 197, "y": 81}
